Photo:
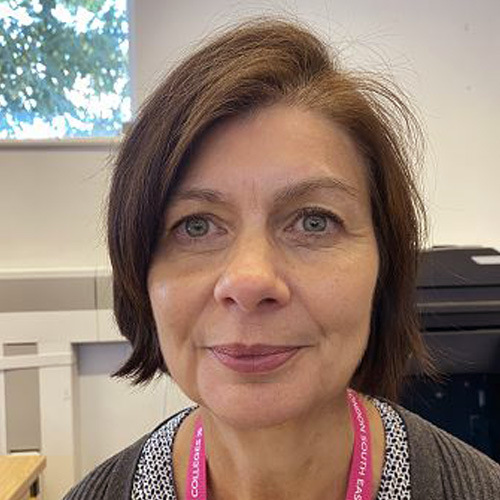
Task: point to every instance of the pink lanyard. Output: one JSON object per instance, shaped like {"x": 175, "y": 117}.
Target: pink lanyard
{"x": 360, "y": 475}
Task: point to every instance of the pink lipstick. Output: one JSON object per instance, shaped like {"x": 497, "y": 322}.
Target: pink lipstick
{"x": 257, "y": 358}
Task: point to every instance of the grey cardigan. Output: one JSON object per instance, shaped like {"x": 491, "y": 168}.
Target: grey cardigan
{"x": 441, "y": 468}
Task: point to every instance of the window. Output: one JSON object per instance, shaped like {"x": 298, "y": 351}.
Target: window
{"x": 63, "y": 68}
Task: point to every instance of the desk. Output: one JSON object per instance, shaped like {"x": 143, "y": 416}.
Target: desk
{"x": 19, "y": 476}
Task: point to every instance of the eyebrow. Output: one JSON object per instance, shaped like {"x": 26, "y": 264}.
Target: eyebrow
{"x": 284, "y": 195}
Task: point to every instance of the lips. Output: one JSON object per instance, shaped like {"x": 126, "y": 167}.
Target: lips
{"x": 258, "y": 358}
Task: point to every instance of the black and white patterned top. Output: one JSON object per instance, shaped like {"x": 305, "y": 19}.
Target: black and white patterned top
{"x": 154, "y": 478}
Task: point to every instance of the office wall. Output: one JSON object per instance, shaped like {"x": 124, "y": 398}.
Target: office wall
{"x": 51, "y": 206}
{"x": 112, "y": 414}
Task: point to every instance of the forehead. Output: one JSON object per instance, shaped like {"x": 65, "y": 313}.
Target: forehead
{"x": 274, "y": 149}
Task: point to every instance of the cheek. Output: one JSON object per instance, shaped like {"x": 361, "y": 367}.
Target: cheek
{"x": 163, "y": 298}
{"x": 177, "y": 305}
{"x": 172, "y": 300}
{"x": 173, "y": 327}
{"x": 166, "y": 320}
{"x": 341, "y": 303}
{"x": 342, "y": 310}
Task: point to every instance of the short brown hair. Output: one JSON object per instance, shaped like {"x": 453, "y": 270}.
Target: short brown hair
{"x": 259, "y": 63}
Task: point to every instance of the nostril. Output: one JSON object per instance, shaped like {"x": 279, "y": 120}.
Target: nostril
{"x": 268, "y": 300}
{"x": 249, "y": 305}
{"x": 267, "y": 303}
{"x": 251, "y": 292}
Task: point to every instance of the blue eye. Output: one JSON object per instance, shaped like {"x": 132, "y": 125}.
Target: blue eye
{"x": 308, "y": 223}
{"x": 196, "y": 226}
{"x": 317, "y": 220}
{"x": 197, "y": 229}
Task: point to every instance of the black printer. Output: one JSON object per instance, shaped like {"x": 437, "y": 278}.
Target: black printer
{"x": 458, "y": 299}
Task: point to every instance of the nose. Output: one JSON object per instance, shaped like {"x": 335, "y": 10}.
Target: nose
{"x": 250, "y": 281}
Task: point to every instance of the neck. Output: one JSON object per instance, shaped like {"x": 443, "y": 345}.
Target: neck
{"x": 283, "y": 461}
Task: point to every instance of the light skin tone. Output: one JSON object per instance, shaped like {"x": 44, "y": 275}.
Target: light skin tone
{"x": 269, "y": 240}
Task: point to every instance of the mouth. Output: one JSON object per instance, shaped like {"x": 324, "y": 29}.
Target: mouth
{"x": 258, "y": 358}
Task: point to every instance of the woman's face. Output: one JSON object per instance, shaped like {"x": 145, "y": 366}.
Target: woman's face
{"x": 262, "y": 283}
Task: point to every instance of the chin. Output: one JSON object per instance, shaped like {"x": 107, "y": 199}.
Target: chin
{"x": 262, "y": 401}
{"x": 253, "y": 417}
{"x": 255, "y": 406}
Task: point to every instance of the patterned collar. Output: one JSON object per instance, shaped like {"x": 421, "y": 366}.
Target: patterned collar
{"x": 154, "y": 476}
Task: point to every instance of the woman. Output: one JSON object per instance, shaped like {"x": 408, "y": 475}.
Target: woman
{"x": 263, "y": 231}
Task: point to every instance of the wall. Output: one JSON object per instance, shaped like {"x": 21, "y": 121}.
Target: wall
{"x": 51, "y": 206}
{"x": 113, "y": 414}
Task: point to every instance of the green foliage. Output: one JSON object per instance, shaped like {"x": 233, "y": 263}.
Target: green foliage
{"x": 42, "y": 58}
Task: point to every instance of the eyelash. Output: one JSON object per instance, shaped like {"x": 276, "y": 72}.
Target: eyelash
{"x": 303, "y": 212}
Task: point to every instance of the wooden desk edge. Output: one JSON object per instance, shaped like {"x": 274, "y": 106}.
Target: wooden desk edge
{"x": 32, "y": 464}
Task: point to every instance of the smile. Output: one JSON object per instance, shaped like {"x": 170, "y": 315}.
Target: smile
{"x": 253, "y": 359}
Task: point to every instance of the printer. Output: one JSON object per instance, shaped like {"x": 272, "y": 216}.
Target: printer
{"x": 458, "y": 300}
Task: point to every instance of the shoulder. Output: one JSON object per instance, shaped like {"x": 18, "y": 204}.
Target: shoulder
{"x": 113, "y": 479}
{"x": 119, "y": 469}
{"x": 443, "y": 466}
